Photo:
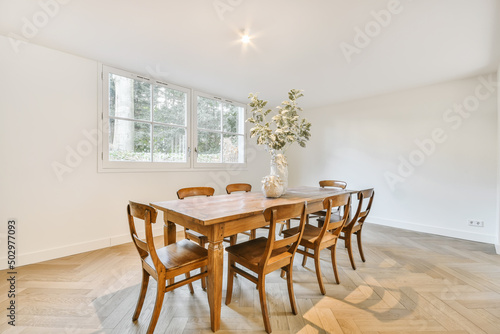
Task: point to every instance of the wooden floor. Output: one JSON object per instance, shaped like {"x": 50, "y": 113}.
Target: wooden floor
{"x": 411, "y": 283}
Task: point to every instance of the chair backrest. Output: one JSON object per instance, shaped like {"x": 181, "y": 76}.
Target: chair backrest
{"x": 238, "y": 187}
{"x": 148, "y": 214}
{"x": 332, "y": 183}
{"x": 195, "y": 191}
{"x": 278, "y": 213}
{"x": 361, "y": 214}
{"x": 341, "y": 200}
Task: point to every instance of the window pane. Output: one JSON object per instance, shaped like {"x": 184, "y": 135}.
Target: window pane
{"x": 233, "y": 148}
{"x": 129, "y": 98}
{"x": 169, "y": 144}
{"x": 129, "y": 141}
{"x": 208, "y": 113}
{"x": 232, "y": 118}
{"x": 169, "y": 105}
{"x": 209, "y": 147}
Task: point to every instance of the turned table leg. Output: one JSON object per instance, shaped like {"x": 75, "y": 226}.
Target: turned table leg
{"x": 215, "y": 270}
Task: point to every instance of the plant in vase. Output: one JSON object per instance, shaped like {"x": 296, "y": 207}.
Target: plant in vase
{"x": 277, "y": 134}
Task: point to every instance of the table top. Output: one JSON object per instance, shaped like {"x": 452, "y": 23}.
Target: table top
{"x": 222, "y": 208}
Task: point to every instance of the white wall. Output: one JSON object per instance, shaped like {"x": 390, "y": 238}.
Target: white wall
{"x": 497, "y": 246}
{"x": 48, "y": 99}
{"x": 361, "y": 141}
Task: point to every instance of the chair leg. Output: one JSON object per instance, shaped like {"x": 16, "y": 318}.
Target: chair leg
{"x": 318, "y": 271}
{"x": 360, "y": 247}
{"x": 291, "y": 294}
{"x": 348, "y": 245}
{"x": 304, "y": 260}
{"x": 160, "y": 294}
{"x": 142, "y": 294}
{"x": 230, "y": 279}
{"x": 233, "y": 239}
{"x": 263, "y": 302}
{"x": 334, "y": 263}
{"x": 190, "y": 285}
{"x": 253, "y": 234}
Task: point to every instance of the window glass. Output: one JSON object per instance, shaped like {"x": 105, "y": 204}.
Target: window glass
{"x": 129, "y": 140}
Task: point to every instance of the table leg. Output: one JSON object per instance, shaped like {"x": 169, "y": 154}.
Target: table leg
{"x": 169, "y": 236}
{"x": 215, "y": 269}
{"x": 169, "y": 231}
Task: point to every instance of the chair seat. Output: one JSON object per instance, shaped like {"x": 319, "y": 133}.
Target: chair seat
{"x": 311, "y": 234}
{"x": 253, "y": 250}
{"x": 179, "y": 254}
{"x": 322, "y": 214}
{"x": 356, "y": 228}
{"x": 196, "y": 234}
{"x": 318, "y": 213}
{"x": 335, "y": 217}
{"x": 203, "y": 239}
{"x": 350, "y": 229}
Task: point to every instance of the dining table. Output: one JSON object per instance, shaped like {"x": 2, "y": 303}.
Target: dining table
{"x": 225, "y": 215}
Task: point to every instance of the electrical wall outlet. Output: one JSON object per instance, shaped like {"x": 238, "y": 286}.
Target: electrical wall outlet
{"x": 476, "y": 223}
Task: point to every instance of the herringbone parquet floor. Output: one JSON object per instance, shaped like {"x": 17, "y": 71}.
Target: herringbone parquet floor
{"x": 411, "y": 283}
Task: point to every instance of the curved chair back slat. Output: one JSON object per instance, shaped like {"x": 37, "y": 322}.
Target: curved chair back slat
{"x": 195, "y": 191}
{"x": 333, "y": 183}
{"x": 230, "y": 188}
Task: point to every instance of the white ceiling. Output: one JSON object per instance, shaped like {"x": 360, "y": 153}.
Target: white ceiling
{"x": 295, "y": 44}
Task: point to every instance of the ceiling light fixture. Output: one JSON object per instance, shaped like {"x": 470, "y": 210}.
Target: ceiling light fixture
{"x": 245, "y": 39}
{"x": 245, "y": 36}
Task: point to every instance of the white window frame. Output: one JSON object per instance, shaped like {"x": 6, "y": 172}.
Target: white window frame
{"x": 195, "y": 133}
{"x": 105, "y": 165}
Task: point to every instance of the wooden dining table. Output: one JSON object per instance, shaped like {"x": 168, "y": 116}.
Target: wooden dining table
{"x": 225, "y": 215}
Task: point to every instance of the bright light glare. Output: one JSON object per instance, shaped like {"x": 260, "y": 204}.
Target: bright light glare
{"x": 245, "y": 39}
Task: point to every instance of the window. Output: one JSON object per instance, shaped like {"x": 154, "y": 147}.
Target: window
{"x": 151, "y": 125}
{"x": 220, "y": 133}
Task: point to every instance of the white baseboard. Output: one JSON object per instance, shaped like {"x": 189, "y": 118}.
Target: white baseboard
{"x": 447, "y": 232}
{"x": 77, "y": 248}
{"x": 497, "y": 248}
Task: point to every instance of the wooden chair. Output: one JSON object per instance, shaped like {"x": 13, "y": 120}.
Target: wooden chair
{"x": 230, "y": 188}
{"x": 263, "y": 256}
{"x": 355, "y": 225}
{"x": 322, "y": 213}
{"x": 199, "y": 238}
{"x": 319, "y": 238}
{"x": 329, "y": 184}
{"x": 164, "y": 263}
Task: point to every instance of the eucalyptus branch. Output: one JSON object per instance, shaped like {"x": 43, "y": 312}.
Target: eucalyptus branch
{"x": 284, "y": 128}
